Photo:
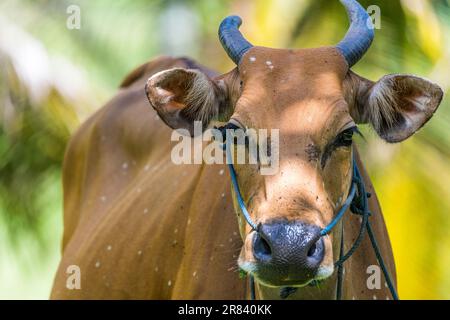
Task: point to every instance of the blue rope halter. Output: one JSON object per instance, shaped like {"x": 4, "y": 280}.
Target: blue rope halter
{"x": 357, "y": 202}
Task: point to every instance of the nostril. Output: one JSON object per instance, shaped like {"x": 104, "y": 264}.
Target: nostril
{"x": 261, "y": 248}
{"x": 316, "y": 252}
{"x": 312, "y": 250}
{"x": 265, "y": 246}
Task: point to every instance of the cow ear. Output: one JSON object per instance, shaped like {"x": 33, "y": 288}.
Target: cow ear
{"x": 182, "y": 96}
{"x": 397, "y": 105}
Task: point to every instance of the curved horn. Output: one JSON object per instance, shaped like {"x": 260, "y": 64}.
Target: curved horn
{"x": 232, "y": 39}
{"x": 359, "y": 35}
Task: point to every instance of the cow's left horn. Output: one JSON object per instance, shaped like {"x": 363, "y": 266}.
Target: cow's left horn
{"x": 232, "y": 39}
{"x": 360, "y": 34}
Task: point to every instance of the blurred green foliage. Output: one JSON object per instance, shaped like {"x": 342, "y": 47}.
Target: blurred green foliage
{"x": 52, "y": 78}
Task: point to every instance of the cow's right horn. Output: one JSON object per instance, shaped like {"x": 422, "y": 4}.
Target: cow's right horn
{"x": 232, "y": 39}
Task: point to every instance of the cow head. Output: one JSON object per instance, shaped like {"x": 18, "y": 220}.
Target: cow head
{"x": 315, "y": 101}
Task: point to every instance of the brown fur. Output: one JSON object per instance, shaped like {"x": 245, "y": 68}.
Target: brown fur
{"x": 141, "y": 227}
{"x": 188, "y": 238}
{"x": 151, "y": 212}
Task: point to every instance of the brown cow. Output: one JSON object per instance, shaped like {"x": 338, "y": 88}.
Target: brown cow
{"x": 139, "y": 226}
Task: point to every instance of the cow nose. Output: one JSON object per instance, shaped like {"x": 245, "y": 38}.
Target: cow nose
{"x": 288, "y": 250}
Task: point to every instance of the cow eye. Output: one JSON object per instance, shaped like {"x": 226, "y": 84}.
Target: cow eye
{"x": 345, "y": 138}
{"x": 237, "y": 133}
{"x": 228, "y": 126}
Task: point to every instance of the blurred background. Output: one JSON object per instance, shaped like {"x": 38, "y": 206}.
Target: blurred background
{"x": 53, "y": 75}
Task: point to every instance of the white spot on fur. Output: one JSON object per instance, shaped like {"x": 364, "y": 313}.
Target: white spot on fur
{"x": 268, "y": 62}
{"x": 252, "y": 59}
{"x": 109, "y": 248}
{"x": 169, "y": 283}
{"x": 103, "y": 198}
{"x": 175, "y": 231}
{"x": 189, "y": 221}
{"x": 125, "y": 166}
{"x": 146, "y": 167}
{"x": 223, "y": 195}
{"x": 145, "y": 210}
{"x": 139, "y": 252}
{"x": 194, "y": 274}
{"x": 156, "y": 269}
{"x": 97, "y": 264}
{"x": 221, "y": 172}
